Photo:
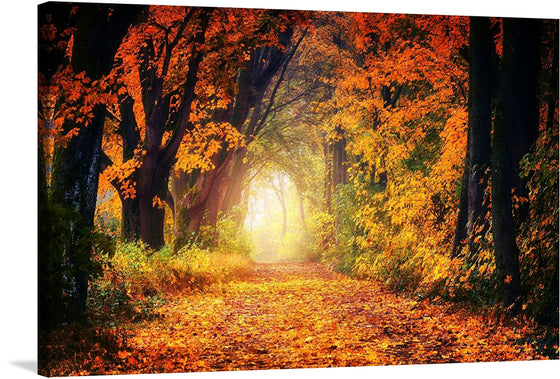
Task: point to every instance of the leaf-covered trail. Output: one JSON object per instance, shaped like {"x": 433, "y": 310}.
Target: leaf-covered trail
{"x": 303, "y": 315}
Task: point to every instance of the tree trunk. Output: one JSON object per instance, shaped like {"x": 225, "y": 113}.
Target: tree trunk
{"x": 237, "y": 183}
{"x": 130, "y": 216}
{"x": 514, "y": 116}
{"x": 151, "y": 223}
{"x": 301, "y": 209}
{"x": 198, "y": 198}
{"x": 130, "y": 208}
{"x": 525, "y": 126}
{"x": 481, "y": 79}
{"x": 75, "y": 181}
{"x": 158, "y": 159}
{"x": 76, "y": 170}
{"x": 506, "y": 250}
{"x": 152, "y": 185}
{"x": 53, "y": 306}
{"x": 220, "y": 184}
{"x": 339, "y": 165}
{"x": 328, "y": 176}
{"x": 187, "y": 204}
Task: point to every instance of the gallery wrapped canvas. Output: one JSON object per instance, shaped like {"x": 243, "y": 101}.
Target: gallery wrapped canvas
{"x": 230, "y": 189}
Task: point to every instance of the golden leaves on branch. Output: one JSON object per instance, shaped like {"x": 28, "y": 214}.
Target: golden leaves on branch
{"x": 121, "y": 173}
{"x": 399, "y": 93}
{"x": 204, "y": 142}
{"x": 71, "y": 98}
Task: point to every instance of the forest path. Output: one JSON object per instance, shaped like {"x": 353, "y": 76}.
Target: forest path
{"x": 294, "y": 315}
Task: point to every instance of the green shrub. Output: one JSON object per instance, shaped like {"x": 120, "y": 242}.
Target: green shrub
{"x": 298, "y": 246}
{"x": 225, "y": 237}
{"x": 399, "y": 269}
{"x": 65, "y": 253}
{"x": 323, "y": 234}
{"x": 538, "y": 235}
{"x": 137, "y": 278}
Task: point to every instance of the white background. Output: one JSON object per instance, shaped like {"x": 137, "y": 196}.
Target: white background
{"x": 18, "y": 183}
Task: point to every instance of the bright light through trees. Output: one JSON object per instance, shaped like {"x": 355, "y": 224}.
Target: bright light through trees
{"x": 273, "y": 220}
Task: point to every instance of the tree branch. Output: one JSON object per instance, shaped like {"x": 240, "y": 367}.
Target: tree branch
{"x": 183, "y": 124}
{"x": 260, "y": 124}
{"x": 169, "y": 46}
{"x": 106, "y": 162}
{"x": 293, "y": 100}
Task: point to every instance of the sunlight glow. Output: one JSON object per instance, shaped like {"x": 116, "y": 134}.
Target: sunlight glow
{"x": 266, "y": 218}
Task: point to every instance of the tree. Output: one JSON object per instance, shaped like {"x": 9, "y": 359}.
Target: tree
{"x": 401, "y": 100}
{"x": 472, "y": 221}
{"x": 165, "y": 112}
{"x": 97, "y": 33}
{"x": 200, "y": 195}
{"x": 515, "y": 117}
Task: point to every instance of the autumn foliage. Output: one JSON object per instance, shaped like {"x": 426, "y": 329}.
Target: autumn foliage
{"x": 298, "y": 315}
{"x": 381, "y": 152}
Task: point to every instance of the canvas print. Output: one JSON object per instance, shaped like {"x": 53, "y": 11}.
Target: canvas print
{"x": 247, "y": 189}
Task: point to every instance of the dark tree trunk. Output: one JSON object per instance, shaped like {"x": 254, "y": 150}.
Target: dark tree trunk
{"x": 52, "y": 305}
{"x": 196, "y": 196}
{"x": 130, "y": 214}
{"x": 152, "y": 220}
{"x": 506, "y": 250}
{"x": 130, "y": 208}
{"x": 205, "y": 210}
{"x": 76, "y": 170}
{"x": 180, "y": 183}
{"x": 514, "y": 117}
{"x": 220, "y": 184}
{"x": 525, "y": 127}
{"x": 200, "y": 197}
{"x": 75, "y": 180}
{"x": 481, "y": 78}
{"x": 152, "y": 185}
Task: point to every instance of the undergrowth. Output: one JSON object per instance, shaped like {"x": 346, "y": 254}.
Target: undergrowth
{"x": 135, "y": 283}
